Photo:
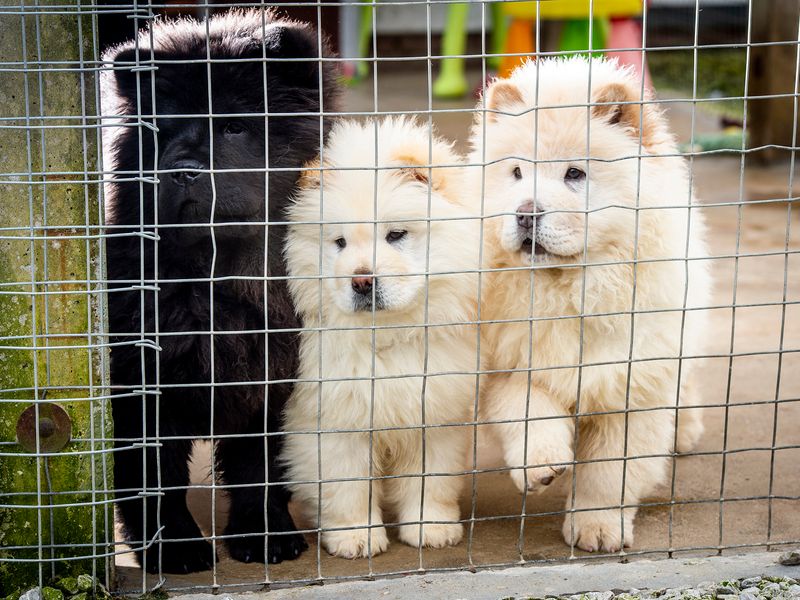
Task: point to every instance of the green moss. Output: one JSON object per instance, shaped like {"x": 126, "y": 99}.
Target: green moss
{"x": 68, "y": 585}
{"x": 155, "y": 595}
{"x": 86, "y": 583}
{"x": 49, "y": 593}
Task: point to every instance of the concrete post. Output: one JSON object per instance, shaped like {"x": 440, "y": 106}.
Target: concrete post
{"x": 50, "y": 305}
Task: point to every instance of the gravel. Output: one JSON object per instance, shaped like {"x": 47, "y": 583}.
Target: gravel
{"x": 750, "y": 588}
{"x": 790, "y": 558}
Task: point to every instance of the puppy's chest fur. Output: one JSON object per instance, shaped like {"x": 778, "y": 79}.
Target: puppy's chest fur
{"x": 410, "y": 381}
{"x": 551, "y": 335}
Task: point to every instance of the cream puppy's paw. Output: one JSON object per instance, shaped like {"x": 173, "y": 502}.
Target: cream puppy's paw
{"x": 354, "y": 543}
{"x": 537, "y": 479}
{"x": 436, "y": 535}
{"x": 598, "y": 531}
{"x": 547, "y": 446}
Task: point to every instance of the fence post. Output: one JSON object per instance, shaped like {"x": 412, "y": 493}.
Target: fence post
{"x": 53, "y": 505}
{"x": 772, "y": 72}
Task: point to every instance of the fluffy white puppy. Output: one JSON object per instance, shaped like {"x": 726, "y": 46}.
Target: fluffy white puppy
{"x": 591, "y": 281}
{"x": 367, "y": 281}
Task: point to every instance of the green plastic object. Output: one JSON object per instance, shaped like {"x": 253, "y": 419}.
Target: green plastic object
{"x": 575, "y": 36}
{"x": 364, "y": 39}
{"x": 500, "y": 23}
{"x": 452, "y": 79}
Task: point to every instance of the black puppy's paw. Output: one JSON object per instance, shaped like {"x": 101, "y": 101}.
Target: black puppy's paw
{"x": 181, "y": 557}
{"x": 279, "y": 548}
{"x": 286, "y": 547}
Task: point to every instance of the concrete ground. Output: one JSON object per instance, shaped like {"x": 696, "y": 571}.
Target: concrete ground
{"x": 743, "y": 420}
{"x": 756, "y": 576}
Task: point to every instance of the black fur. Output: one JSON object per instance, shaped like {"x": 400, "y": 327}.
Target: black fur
{"x": 181, "y": 363}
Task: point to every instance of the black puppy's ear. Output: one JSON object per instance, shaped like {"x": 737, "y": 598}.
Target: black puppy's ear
{"x": 293, "y": 41}
{"x": 290, "y": 40}
{"x": 132, "y": 74}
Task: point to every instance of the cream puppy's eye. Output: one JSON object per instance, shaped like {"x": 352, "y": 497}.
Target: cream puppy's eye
{"x": 517, "y": 173}
{"x": 396, "y": 235}
{"x": 340, "y": 242}
{"x": 574, "y": 174}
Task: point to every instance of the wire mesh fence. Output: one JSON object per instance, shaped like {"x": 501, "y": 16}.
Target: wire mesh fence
{"x": 280, "y": 293}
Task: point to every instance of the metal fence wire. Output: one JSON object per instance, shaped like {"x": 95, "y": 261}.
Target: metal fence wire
{"x": 599, "y": 263}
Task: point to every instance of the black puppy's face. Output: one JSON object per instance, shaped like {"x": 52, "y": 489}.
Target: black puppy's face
{"x": 211, "y": 169}
{"x": 209, "y": 134}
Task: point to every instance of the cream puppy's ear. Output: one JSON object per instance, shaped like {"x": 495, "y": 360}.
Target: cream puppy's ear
{"x": 501, "y": 96}
{"x": 411, "y": 170}
{"x": 415, "y": 149}
{"x": 614, "y": 106}
{"x": 607, "y": 98}
{"x": 311, "y": 175}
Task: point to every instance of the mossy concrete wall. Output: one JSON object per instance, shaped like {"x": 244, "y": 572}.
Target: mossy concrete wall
{"x": 50, "y": 305}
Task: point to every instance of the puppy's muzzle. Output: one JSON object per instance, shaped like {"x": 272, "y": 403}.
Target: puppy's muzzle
{"x": 526, "y": 228}
{"x": 188, "y": 173}
{"x": 365, "y": 287}
{"x": 362, "y": 285}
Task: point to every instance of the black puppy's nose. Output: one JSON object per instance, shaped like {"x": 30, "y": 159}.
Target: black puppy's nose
{"x": 362, "y": 283}
{"x": 189, "y": 170}
{"x": 525, "y": 215}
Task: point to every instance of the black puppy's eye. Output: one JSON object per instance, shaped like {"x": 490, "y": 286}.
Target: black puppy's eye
{"x": 234, "y": 127}
{"x": 396, "y": 236}
{"x": 517, "y": 173}
{"x": 574, "y": 174}
{"x": 340, "y": 242}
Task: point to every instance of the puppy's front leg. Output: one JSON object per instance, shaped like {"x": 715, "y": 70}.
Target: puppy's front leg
{"x": 690, "y": 422}
{"x": 345, "y": 503}
{"x": 594, "y": 526}
{"x": 445, "y": 452}
{"x": 549, "y": 431}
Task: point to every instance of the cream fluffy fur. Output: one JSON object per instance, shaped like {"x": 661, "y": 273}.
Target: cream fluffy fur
{"x": 398, "y": 401}
{"x": 558, "y": 136}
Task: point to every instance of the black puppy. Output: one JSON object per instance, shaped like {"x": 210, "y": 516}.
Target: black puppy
{"x": 189, "y": 303}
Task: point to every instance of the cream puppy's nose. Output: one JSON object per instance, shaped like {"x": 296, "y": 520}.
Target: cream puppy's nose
{"x": 362, "y": 282}
{"x": 525, "y": 215}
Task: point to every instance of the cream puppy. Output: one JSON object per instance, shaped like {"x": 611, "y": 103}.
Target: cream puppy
{"x": 367, "y": 281}
{"x": 569, "y": 233}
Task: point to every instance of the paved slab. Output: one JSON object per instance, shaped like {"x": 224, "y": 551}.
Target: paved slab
{"x": 558, "y": 580}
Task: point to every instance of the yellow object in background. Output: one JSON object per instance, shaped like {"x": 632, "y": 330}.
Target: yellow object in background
{"x": 521, "y": 42}
{"x": 573, "y": 9}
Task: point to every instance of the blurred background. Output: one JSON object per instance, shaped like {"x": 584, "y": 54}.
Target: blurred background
{"x": 695, "y": 50}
